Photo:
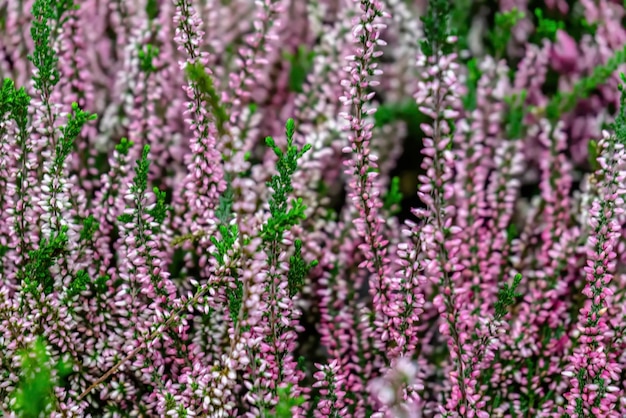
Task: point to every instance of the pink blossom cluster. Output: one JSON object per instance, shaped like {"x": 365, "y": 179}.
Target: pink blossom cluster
{"x": 187, "y": 254}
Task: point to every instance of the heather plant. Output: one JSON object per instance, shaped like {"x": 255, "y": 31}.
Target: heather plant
{"x": 321, "y": 208}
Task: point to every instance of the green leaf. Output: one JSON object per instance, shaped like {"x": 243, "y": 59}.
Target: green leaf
{"x": 79, "y": 284}
{"x": 619, "y": 126}
{"x": 298, "y": 269}
{"x": 593, "y": 154}
{"x": 147, "y": 54}
{"x": 565, "y": 102}
{"x": 124, "y": 146}
{"x": 502, "y": 30}
{"x": 547, "y": 28}
{"x": 436, "y": 24}
{"x": 34, "y": 395}
{"x": 204, "y": 83}
{"x": 282, "y": 216}
{"x": 301, "y": 64}
{"x": 473, "y": 75}
{"x": 286, "y": 402}
{"x": 90, "y": 226}
{"x": 37, "y": 271}
{"x": 160, "y": 210}
{"x": 152, "y": 9}
{"x": 515, "y": 115}
{"x": 393, "y": 198}
{"x": 506, "y": 297}
{"x": 75, "y": 122}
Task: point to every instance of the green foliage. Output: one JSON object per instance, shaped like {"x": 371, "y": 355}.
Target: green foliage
{"x": 501, "y": 34}
{"x": 461, "y": 14}
{"x": 298, "y": 269}
{"x": 506, "y": 297}
{"x": 547, "y": 28}
{"x": 392, "y": 201}
{"x": 124, "y": 146}
{"x": 204, "y": 83}
{"x": 282, "y": 216}
{"x": 160, "y": 209}
{"x": 152, "y": 9}
{"x": 7, "y": 94}
{"x": 61, "y": 7}
{"x": 224, "y": 209}
{"x": 592, "y": 155}
{"x": 37, "y": 271}
{"x": 619, "y": 126}
{"x": 20, "y": 102}
{"x": 286, "y": 402}
{"x": 100, "y": 284}
{"x": 436, "y": 23}
{"x": 90, "y": 226}
{"x": 34, "y": 395}
{"x": 75, "y": 122}
{"x": 79, "y": 284}
{"x": 47, "y": 16}
{"x": 514, "y": 117}
{"x": 228, "y": 235}
{"x": 388, "y": 113}
{"x": 300, "y": 64}
{"x": 44, "y": 57}
{"x": 147, "y": 54}
{"x": 473, "y": 75}
{"x": 140, "y": 182}
{"x": 511, "y": 233}
{"x": 587, "y": 27}
{"x": 565, "y": 102}
{"x": 235, "y": 300}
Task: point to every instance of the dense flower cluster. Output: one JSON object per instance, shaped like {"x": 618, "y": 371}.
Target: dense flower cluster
{"x": 438, "y": 229}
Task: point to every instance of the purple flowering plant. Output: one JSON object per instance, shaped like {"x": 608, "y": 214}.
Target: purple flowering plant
{"x": 320, "y": 208}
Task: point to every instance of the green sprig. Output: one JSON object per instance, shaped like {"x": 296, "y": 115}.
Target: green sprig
{"x": 124, "y": 146}
{"x": 565, "y": 102}
{"x": 34, "y": 396}
{"x": 203, "y": 81}
{"x": 301, "y": 64}
{"x": 147, "y": 53}
{"x": 286, "y": 402}
{"x": 392, "y": 201}
{"x": 90, "y": 226}
{"x": 282, "y": 215}
{"x": 506, "y": 297}
{"x": 75, "y": 122}
{"x": 44, "y": 58}
{"x": 473, "y": 76}
{"x": 37, "y": 271}
{"x": 160, "y": 210}
{"x": 502, "y": 30}
{"x": 515, "y": 115}
{"x": 619, "y": 126}
{"x": 547, "y": 28}
{"x": 224, "y": 209}
{"x": 79, "y": 284}
{"x": 298, "y": 269}
{"x": 436, "y": 23}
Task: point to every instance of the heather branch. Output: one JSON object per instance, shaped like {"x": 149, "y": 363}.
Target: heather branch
{"x": 364, "y": 188}
{"x": 283, "y": 216}
{"x": 160, "y": 328}
{"x": 438, "y": 100}
{"x": 19, "y": 113}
